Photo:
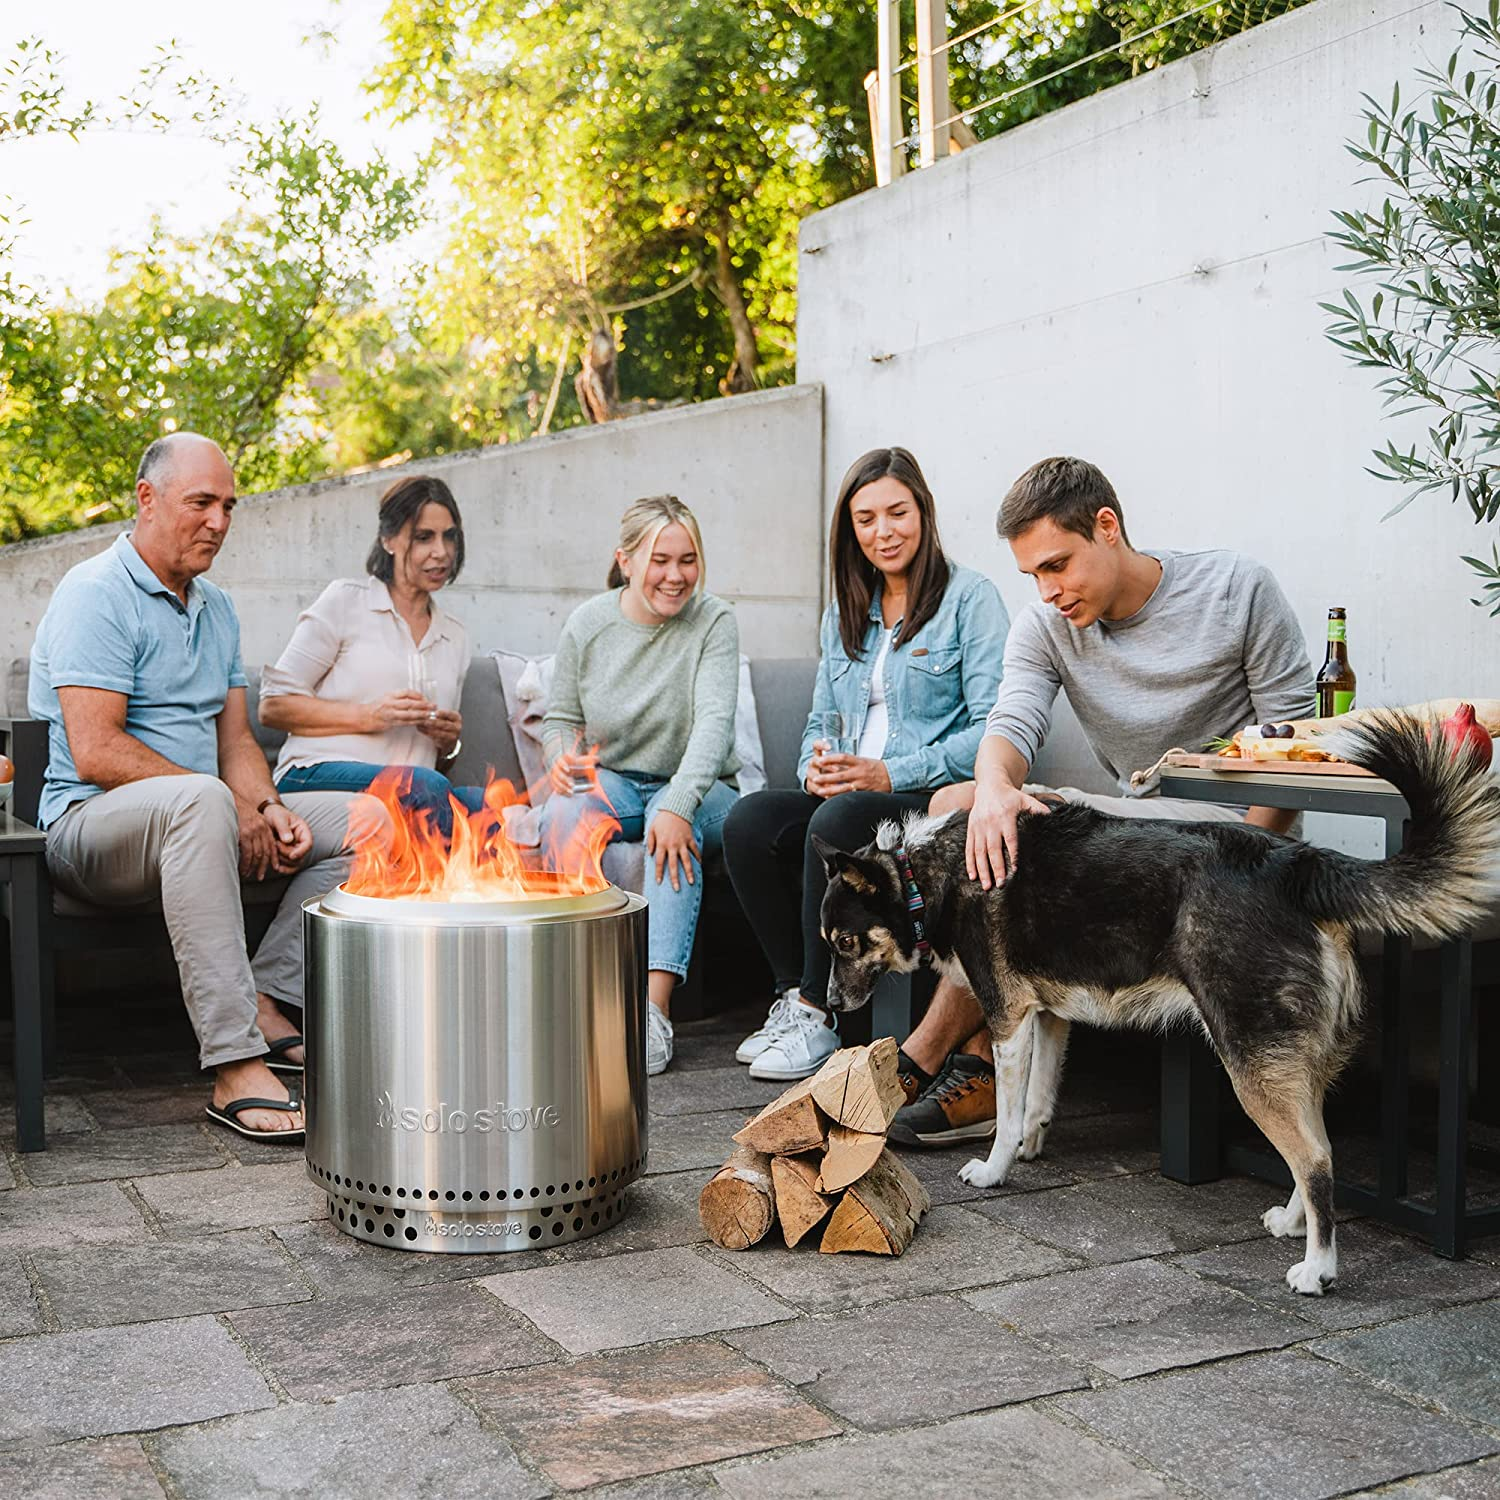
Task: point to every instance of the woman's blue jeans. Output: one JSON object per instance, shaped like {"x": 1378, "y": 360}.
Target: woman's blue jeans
{"x": 428, "y": 793}
{"x": 671, "y": 916}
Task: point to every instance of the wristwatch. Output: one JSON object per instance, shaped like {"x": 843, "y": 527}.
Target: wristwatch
{"x": 271, "y": 801}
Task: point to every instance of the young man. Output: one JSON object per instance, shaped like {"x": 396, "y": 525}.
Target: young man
{"x": 1153, "y": 649}
{"x": 157, "y": 790}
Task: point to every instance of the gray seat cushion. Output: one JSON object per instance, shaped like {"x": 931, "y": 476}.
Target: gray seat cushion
{"x": 783, "y": 697}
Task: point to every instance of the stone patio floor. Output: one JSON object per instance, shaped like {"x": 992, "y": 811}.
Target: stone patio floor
{"x": 178, "y": 1317}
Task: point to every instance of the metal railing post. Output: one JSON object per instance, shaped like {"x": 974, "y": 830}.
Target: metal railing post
{"x": 890, "y": 152}
{"x": 932, "y": 81}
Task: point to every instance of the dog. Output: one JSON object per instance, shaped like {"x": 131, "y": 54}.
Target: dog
{"x": 1243, "y": 933}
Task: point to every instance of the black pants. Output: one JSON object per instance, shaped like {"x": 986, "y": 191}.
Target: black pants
{"x": 779, "y": 879}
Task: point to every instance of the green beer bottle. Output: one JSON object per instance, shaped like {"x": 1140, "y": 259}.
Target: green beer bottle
{"x": 1336, "y": 676}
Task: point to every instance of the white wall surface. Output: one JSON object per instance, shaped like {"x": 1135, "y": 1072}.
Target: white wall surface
{"x": 541, "y": 520}
{"x": 1135, "y": 279}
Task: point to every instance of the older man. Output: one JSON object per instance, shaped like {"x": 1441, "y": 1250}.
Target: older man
{"x": 157, "y": 790}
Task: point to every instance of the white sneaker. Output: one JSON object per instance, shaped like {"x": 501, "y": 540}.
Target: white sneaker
{"x": 773, "y": 1030}
{"x": 805, "y": 1044}
{"x": 658, "y": 1040}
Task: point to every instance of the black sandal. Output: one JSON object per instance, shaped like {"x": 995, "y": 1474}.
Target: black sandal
{"x": 275, "y": 1059}
{"x": 229, "y": 1116}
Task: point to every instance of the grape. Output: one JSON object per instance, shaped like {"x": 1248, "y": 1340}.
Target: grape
{"x": 1288, "y": 731}
{"x": 1269, "y": 732}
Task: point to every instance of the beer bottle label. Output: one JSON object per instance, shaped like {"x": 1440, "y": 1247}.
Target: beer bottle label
{"x": 1342, "y": 702}
{"x": 1337, "y": 630}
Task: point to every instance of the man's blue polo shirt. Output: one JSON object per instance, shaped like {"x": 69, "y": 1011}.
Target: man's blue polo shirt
{"x": 114, "y": 624}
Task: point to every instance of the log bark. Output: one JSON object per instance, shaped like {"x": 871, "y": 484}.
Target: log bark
{"x": 738, "y": 1203}
{"x": 879, "y": 1213}
{"x": 859, "y": 1087}
{"x": 850, "y": 1154}
{"x": 791, "y": 1122}
{"x": 799, "y": 1204}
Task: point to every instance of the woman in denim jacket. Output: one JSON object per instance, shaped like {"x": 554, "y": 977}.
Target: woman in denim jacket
{"x": 911, "y": 650}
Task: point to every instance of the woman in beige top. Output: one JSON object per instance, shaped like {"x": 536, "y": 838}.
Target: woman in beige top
{"x": 373, "y": 673}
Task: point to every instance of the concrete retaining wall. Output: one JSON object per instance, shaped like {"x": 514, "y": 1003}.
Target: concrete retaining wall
{"x": 1135, "y": 279}
{"x": 541, "y": 520}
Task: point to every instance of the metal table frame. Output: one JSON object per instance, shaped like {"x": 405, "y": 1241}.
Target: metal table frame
{"x": 23, "y": 851}
{"x": 1191, "y": 1075}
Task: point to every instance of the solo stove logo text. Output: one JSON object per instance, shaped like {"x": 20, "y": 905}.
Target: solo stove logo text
{"x": 442, "y": 1120}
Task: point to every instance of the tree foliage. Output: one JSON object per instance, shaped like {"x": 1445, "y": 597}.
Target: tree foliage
{"x": 1431, "y": 323}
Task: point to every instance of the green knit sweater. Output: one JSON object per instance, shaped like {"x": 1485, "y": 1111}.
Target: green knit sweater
{"x": 658, "y": 699}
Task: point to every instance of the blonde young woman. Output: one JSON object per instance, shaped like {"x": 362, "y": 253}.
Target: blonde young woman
{"x": 649, "y": 672}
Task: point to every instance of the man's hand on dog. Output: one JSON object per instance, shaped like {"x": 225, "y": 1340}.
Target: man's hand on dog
{"x": 828, "y": 775}
{"x": 990, "y": 850}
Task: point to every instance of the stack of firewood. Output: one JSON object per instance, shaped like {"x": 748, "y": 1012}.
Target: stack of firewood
{"x": 818, "y": 1152}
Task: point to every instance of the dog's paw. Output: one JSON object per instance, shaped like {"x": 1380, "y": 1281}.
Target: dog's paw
{"x": 1282, "y": 1222}
{"x": 978, "y": 1173}
{"x": 1309, "y": 1279}
{"x": 1034, "y": 1139}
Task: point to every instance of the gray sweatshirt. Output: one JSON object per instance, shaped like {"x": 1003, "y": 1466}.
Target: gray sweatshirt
{"x": 658, "y": 699}
{"x": 1215, "y": 647}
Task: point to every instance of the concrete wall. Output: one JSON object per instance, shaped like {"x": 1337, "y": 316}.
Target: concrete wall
{"x": 1135, "y": 279}
{"x": 541, "y": 520}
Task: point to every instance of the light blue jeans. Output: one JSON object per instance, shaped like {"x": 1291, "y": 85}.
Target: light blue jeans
{"x": 671, "y": 916}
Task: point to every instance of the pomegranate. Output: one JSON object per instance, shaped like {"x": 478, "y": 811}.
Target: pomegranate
{"x": 1468, "y": 736}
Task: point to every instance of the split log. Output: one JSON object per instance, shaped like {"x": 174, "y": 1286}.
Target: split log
{"x": 791, "y": 1122}
{"x": 879, "y": 1213}
{"x": 738, "y": 1203}
{"x": 859, "y": 1087}
{"x": 850, "y": 1154}
{"x": 799, "y": 1204}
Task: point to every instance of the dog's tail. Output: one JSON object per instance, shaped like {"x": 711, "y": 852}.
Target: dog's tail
{"x": 1441, "y": 882}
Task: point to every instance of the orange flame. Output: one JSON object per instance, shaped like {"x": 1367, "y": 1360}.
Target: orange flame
{"x": 401, "y": 854}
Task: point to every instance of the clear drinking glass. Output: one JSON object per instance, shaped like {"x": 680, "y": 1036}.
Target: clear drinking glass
{"x": 583, "y": 743}
{"x": 419, "y": 682}
{"x": 830, "y": 730}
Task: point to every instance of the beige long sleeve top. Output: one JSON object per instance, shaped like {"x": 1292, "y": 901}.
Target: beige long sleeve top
{"x": 351, "y": 645}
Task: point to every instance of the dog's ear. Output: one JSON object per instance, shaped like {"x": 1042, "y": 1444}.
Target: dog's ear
{"x": 833, "y": 859}
{"x": 859, "y": 874}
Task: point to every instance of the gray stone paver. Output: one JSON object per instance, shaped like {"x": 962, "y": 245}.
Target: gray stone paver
{"x": 113, "y": 1468}
{"x": 1452, "y": 1357}
{"x": 689, "y": 1143}
{"x": 415, "y": 1441}
{"x": 964, "y": 1366}
{"x": 97, "y": 1286}
{"x": 646, "y": 1411}
{"x": 189, "y": 1203}
{"x": 1138, "y": 1317}
{"x": 709, "y": 1090}
{"x": 1381, "y": 1276}
{"x": 953, "y": 1248}
{"x": 94, "y": 1213}
{"x": 636, "y": 1298}
{"x": 1018, "y": 1452}
{"x": 325, "y": 1348}
{"x": 1283, "y": 1425}
{"x": 105, "y": 1155}
{"x": 65, "y": 1115}
{"x": 662, "y": 1212}
{"x": 101, "y": 1381}
{"x": 18, "y": 1310}
{"x": 1479, "y": 1481}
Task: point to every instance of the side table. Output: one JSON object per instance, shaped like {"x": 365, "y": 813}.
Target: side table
{"x": 23, "y": 850}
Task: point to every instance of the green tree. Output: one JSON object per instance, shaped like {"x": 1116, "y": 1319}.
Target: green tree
{"x": 1431, "y": 324}
{"x": 217, "y": 334}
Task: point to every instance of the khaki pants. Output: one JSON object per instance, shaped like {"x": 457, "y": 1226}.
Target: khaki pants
{"x": 176, "y": 839}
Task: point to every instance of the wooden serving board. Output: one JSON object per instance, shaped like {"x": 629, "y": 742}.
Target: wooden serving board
{"x": 1277, "y": 767}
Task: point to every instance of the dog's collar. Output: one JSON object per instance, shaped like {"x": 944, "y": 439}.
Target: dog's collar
{"x": 915, "y": 905}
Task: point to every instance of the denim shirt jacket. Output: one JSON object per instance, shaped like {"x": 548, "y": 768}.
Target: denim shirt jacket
{"x": 939, "y": 685}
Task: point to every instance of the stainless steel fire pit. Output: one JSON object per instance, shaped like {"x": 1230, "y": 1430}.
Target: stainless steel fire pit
{"x": 476, "y": 1072}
